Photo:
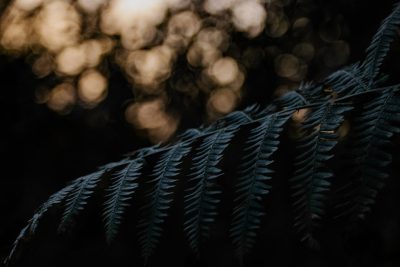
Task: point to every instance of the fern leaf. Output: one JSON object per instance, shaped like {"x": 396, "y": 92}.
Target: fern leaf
{"x": 380, "y": 45}
{"x": 291, "y": 99}
{"x": 21, "y": 238}
{"x": 373, "y": 129}
{"x": 202, "y": 196}
{"x": 78, "y": 197}
{"x": 54, "y": 199}
{"x": 251, "y": 185}
{"x": 120, "y": 192}
{"x": 233, "y": 118}
{"x": 348, "y": 80}
{"x": 30, "y": 229}
{"x": 160, "y": 196}
{"x": 311, "y": 180}
{"x": 312, "y": 92}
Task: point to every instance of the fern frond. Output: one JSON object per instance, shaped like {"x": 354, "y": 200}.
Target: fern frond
{"x": 78, "y": 197}
{"x": 291, "y": 99}
{"x": 160, "y": 196}
{"x": 311, "y": 180}
{"x": 380, "y": 44}
{"x": 312, "y": 92}
{"x": 372, "y": 128}
{"x": 120, "y": 192}
{"x": 202, "y": 195}
{"x": 347, "y": 81}
{"x": 234, "y": 118}
{"x": 30, "y": 229}
{"x": 372, "y": 131}
{"x": 253, "y": 174}
{"x": 54, "y": 199}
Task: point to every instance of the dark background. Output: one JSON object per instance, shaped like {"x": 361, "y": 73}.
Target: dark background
{"x": 41, "y": 151}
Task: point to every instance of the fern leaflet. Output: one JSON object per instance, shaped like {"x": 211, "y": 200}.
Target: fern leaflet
{"x": 251, "y": 185}
{"x": 78, "y": 197}
{"x": 121, "y": 191}
{"x": 201, "y": 196}
{"x": 380, "y": 45}
{"x": 373, "y": 129}
{"x": 160, "y": 196}
{"x": 311, "y": 179}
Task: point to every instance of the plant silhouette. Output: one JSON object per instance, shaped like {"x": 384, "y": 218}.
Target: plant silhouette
{"x": 194, "y": 164}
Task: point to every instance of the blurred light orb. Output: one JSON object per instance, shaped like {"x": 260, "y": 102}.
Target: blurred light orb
{"x": 175, "y": 5}
{"x": 217, "y": 6}
{"x": 214, "y": 37}
{"x": 152, "y": 117}
{"x": 122, "y": 14}
{"x": 138, "y": 36}
{"x": 149, "y": 68}
{"x": 58, "y": 25}
{"x": 93, "y": 52}
{"x": 71, "y": 60}
{"x": 249, "y": 17}
{"x": 224, "y": 71}
{"x": 16, "y": 35}
{"x": 222, "y": 101}
{"x": 90, "y": 6}
{"x": 43, "y": 65}
{"x": 186, "y": 24}
{"x": 287, "y": 65}
{"x": 61, "y": 97}
{"x": 202, "y": 54}
{"x": 92, "y": 87}
{"x": 165, "y": 131}
{"x": 300, "y": 115}
{"x": 206, "y": 48}
{"x": 28, "y": 5}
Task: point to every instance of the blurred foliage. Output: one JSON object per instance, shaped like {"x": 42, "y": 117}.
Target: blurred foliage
{"x": 180, "y": 57}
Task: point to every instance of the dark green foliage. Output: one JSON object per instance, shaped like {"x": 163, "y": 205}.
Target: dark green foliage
{"x": 311, "y": 180}
{"x": 348, "y": 80}
{"x": 369, "y": 154}
{"x": 31, "y": 227}
{"x": 193, "y": 163}
{"x": 202, "y": 195}
{"x": 78, "y": 197}
{"x": 380, "y": 45}
{"x": 252, "y": 181}
{"x": 120, "y": 192}
{"x": 160, "y": 196}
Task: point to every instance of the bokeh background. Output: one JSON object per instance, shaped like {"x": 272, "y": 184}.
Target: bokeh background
{"x": 83, "y": 82}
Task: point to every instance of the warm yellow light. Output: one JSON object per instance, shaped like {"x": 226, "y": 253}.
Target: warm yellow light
{"x": 122, "y": 14}
{"x": 90, "y": 6}
{"x": 43, "y": 65}
{"x": 222, "y": 101}
{"x": 92, "y": 87}
{"x": 152, "y": 117}
{"x": 28, "y": 5}
{"x": 61, "y": 97}
{"x": 217, "y": 6}
{"x": 71, "y": 60}
{"x": 149, "y": 68}
{"x": 249, "y": 17}
{"x": 224, "y": 71}
{"x": 94, "y": 51}
{"x": 58, "y": 25}
{"x": 300, "y": 115}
